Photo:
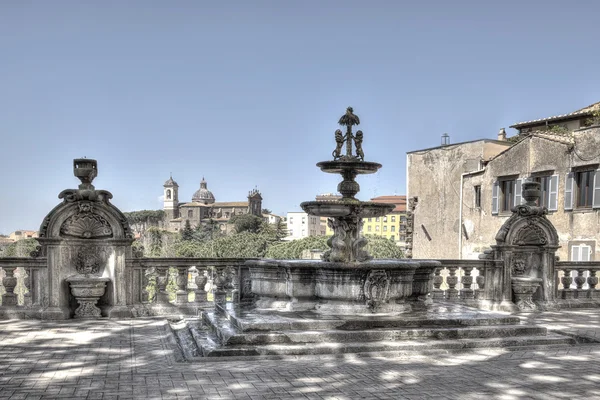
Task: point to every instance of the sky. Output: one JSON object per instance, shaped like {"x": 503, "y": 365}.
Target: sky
{"x": 248, "y": 93}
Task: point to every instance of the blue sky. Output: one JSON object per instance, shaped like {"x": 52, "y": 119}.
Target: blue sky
{"x": 248, "y": 93}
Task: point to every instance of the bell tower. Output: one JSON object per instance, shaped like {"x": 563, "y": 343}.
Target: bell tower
{"x": 171, "y": 199}
{"x": 255, "y": 202}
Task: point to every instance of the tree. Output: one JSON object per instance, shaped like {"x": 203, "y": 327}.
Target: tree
{"x": 21, "y": 248}
{"x": 246, "y": 223}
{"x": 140, "y": 221}
{"x": 187, "y": 233}
{"x": 266, "y": 211}
{"x": 208, "y": 230}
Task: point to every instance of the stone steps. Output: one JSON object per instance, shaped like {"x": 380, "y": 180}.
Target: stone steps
{"x": 411, "y": 346}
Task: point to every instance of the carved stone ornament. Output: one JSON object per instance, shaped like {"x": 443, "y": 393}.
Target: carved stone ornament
{"x": 86, "y": 224}
{"x": 518, "y": 267}
{"x": 88, "y": 261}
{"x": 531, "y": 234}
{"x": 376, "y": 288}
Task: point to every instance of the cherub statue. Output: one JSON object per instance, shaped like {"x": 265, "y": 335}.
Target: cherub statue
{"x": 358, "y": 138}
{"x": 339, "y": 142}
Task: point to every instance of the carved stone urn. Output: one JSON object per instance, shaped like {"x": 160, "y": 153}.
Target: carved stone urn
{"x": 523, "y": 290}
{"x": 87, "y": 290}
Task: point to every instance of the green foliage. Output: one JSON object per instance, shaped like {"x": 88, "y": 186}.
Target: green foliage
{"x": 187, "y": 233}
{"x": 208, "y": 230}
{"x": 266, "y": 211}
{"x": 20, "y": 248}
{"x": 240, "y": 245}
{"x": 151, "y": 217}
{"x": 377, "y": 246}
{"x": 246, "y": 223}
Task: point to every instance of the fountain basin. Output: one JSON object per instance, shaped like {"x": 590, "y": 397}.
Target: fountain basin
{"x": 376, "y": 286}
{"x": 523, "y": 289}
{"x": 341, "y": 208}
{"x": 87, "y": 290}
{"x": 358, "y": 167}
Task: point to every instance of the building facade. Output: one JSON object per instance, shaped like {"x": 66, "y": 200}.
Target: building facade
{"x": 203, "y": 207}
{"x": 567, "y": 164}
{"x": 301, "y": 225}
{"x": 391, "y": 226}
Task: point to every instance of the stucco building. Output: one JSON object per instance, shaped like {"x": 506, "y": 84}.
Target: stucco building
{"x": 391, "y": 226}
{"x": 465, "y": 191}
{"x": 301, "y": 225}
{"x": 203, "y": 207}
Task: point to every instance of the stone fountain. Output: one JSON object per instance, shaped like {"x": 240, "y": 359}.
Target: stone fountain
{"x": 347, "y": 280}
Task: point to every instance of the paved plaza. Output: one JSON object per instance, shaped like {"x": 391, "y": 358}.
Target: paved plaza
{"x": 133, "y": 359}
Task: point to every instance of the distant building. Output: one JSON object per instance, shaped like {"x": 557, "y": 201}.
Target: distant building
{"x": 272, "y": 218}
{"x": 391, "y": 226}
{"x": 203, "y": 207}
{"x": 22, "y": 234}
{"x": 301, "y": 225}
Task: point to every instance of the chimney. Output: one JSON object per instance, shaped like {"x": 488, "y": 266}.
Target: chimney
{"x": 502, "y": 135}
{"x": 445, "y": 139}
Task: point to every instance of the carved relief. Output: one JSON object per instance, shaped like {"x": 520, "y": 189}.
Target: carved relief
{"x": 530, "y": 234}
{"x": 88, "y": 261}
{"x": 86, "y": 224}
{"x": 376, "y": 288}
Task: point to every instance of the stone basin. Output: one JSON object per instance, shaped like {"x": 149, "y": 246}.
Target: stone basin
{"x": 359, "y": 167}
{"x": 376, "y": 286}
{"x": 87, "y": 290}
{"x": 341, "y": 208}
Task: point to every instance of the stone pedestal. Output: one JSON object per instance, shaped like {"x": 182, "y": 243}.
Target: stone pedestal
{"x": 523, "y": 290}
{"x": 87, "y": 290}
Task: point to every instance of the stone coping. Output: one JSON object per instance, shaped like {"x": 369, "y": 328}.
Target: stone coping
{"x": 366, "y": 265}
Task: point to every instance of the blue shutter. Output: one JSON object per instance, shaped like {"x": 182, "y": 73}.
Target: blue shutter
{"x": 569, "y": 192}
{"x": 596, "y": 197}
{"x": 553, "y": 193}
{"x": 495, "y": 188}
{"x": 518, "y": 197}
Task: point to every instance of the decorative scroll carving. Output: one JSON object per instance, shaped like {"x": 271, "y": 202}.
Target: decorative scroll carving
{"x": 88, "y": 261}
{"x": 86, "y": 224}
{"x": 531, "y": 234}
{"x": 376, "y": 288}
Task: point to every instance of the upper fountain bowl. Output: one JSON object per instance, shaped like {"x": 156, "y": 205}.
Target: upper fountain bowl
{"x": 343, "y": 208}
{"x": 339, "y": 166}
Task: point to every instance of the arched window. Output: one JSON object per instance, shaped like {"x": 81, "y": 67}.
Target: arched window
{"x": 190, "y": 213}
{"x": 168, "y": 194}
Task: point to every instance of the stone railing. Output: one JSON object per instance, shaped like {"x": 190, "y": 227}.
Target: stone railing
{"x": 22, "y": 286}
{"x": 166, "y": 285}
{"x": 577, "y": 280}
{"x": 469, "y": 281}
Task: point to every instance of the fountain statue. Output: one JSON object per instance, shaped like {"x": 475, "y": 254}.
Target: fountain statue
{"x": 347, "y": 280}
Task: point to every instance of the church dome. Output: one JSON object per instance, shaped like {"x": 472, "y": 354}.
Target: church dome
{"x": 203, "y": 195}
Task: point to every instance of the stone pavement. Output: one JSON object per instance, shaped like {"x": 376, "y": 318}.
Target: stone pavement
{"x": 131, "y": 359}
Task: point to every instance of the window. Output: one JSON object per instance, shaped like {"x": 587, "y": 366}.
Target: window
{"x": 402, "y": 238}
{"x": 385, "y": 219}
{"x": 393, "y": 218}
{"x": 385, "y": 228}
{"x": 549, "y": 189}
{"x": 393, "y": 229}
{"x": 190, "y": 213}
{"x": 403, "y": 219}
{"x": 377, "y": 219}
{"x": 477, "y": 194}
{"x": 370, "y": 219}
{"x": 168, "y": 194}
{"x": 506, "y": 193}
{"x": 369, "y": 228}
{"x": 582, "y": 189}
{"x": 303, "y": 220}
{"x": 393, "y": 237}
{"x": 376, "y": 228}
{"x": 581, "y": 252}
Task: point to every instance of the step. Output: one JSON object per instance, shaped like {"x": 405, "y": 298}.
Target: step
{"x": 511, "y": 343}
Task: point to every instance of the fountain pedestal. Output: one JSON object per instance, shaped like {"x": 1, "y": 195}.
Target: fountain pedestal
{"x": 87, "y": 290}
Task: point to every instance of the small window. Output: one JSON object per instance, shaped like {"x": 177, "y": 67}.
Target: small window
{"x": 393, "y": 218}
{"x": 385, "y": 219}
{"x": 376, "y": 228}
{"x": 584, "y": 194}
{"x": 190, "y": 213}
{"x": 168, "y": 194}
{"x": 370, "y": 219}
{"x": 403, "y": 219}
{"x": 393, "y": 237}
{"x": 477, "y": 194}
{"x": 581, "y": 252}
{"x": 393, "y": 228}
{"x": 507, "y": 195}
{"x": 377, "y": 219}
{"x": 402, "y": 238}
{"x": 385, "y": 228}
{"x": 369, "y": 228}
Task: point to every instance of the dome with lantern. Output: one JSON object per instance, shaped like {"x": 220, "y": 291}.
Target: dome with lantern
{"x": 203, "y": 195}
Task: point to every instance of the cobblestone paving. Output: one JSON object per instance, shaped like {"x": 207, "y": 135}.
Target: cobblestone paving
{"x": 131, "y": 359}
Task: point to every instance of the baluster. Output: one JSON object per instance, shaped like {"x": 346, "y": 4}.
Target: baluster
{"x": 162, "y": 297}
{"x": 9, "y": 298}
{"x": 567, "y": 280}
{"x": 592, "y": 280}
{"x": 480, "y": 279}
{"x": 234, "y": 277}
{"x": 580, "y": 281}
{"x": 467, "y": 281}
{"x": 182, "y": 280}
{"x": 200, "y": 293}
{"x": 219, "y": 285}
{"x": 438, "y": 279}
{"x": 452, "y": 281}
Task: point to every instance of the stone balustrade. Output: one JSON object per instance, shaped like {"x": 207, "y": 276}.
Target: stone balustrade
{"x": 184, "y": 285}
{"x": 577, "y": 280}
{"x": 22, "y": 286}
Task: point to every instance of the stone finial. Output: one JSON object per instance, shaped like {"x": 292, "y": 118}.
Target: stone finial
{"x": 502, "y": 135}
{"x": 86, "y": 170}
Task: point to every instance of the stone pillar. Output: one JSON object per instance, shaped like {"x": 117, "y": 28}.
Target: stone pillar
{"x": 567, "y": 280}
{"x": 9, "y": 298}
{"x": 593, "y": 281}
{"x": 182, "y": 279}
{"x": 452, "y": 281}
{"x": 438, "y": 279}
{"x": 467, "y": 280}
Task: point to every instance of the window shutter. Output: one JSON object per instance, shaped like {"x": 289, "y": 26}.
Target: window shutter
{"x": 518, "y": 197}
{"x": 596, "y": 196}
{"x": 553, "y": 193}
{"x": 569, "y": 192}
{"x": 495, "y": 197}
{"x": 575, "y": 253}
{"x": 585, "y": 253}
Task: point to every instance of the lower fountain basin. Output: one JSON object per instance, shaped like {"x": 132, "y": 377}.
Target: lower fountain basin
{"x": 87, "y": 290}
{"x": 377, "y": 286}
